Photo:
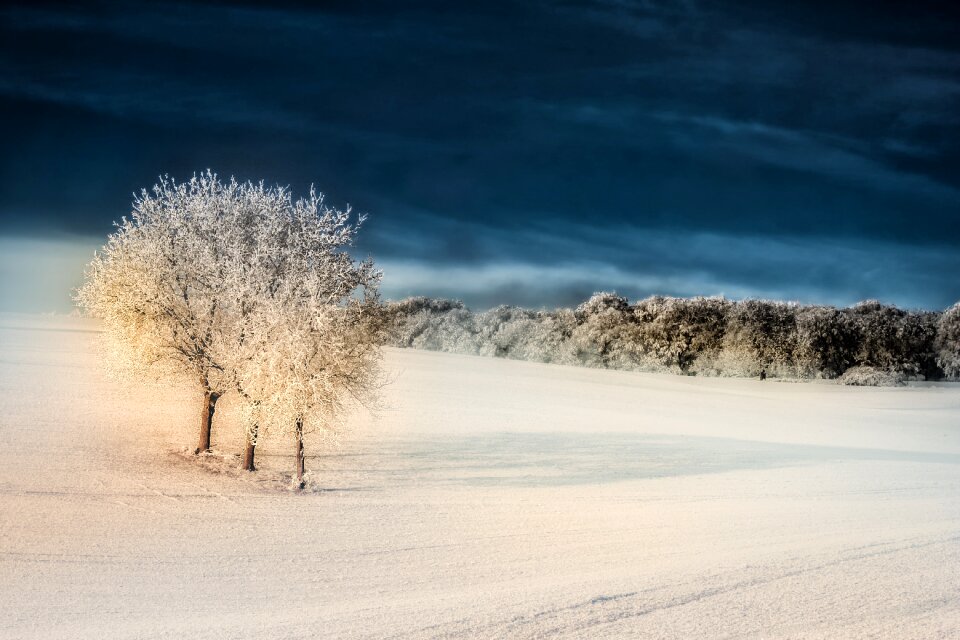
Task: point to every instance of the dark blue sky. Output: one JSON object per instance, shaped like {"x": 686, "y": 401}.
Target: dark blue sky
{"x": 524, "y": 153}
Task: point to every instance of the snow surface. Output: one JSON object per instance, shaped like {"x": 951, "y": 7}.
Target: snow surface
{"x": 487, "y": 498}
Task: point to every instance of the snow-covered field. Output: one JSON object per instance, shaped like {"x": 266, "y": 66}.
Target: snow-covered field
{"x": 488, "y": 498}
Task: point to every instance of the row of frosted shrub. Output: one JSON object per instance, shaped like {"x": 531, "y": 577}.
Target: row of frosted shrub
{"x": 696, "y": 336}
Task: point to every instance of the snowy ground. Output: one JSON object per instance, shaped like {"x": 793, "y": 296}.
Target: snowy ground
{"x": 488, "y": 498}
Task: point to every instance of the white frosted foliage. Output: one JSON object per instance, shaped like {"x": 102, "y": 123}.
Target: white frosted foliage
{"x": 240, "y": 287}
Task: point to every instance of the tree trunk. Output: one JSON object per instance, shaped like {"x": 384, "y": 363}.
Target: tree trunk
{"x": 206, "y": 419}
{"x": 299, "y": 436}
{"x": 250, "y": 451}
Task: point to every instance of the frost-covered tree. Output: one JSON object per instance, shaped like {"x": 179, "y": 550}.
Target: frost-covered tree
{"x": 893, "y": 339}
{"x": 877, "y": 325}
{"x": 760, "y": 334}
{"x": 504, "y": 332}
{"x": 827, "y": 341}
{"x": 917, "y": 356}
{"x": 229, "y": 283}
{"x": 679, "y": 333}
{"x": 312, "y": 331}
{"x": 948, "y": 342}
{"x": 158, "y": 285}
{"x": 522, "y": 334}
{"x": 604, "y": 331}
{"x": 431, "y": 324}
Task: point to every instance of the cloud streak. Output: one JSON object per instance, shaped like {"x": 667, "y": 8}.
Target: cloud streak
{"x": 639, "y": 263}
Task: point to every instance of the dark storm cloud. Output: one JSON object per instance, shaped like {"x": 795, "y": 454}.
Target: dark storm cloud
{"x": 548, "y": 149}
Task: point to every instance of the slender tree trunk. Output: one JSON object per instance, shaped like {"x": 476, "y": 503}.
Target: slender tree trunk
{"x": 250, "y": 451}
{"x": 206, "y": 419}
{"x": 683, "y": 361}
{"x": 299, "y": 436}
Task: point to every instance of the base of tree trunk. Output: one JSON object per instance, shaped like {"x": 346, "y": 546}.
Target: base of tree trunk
{"x": 206, "y": 420}
{"x": 301, "y": 483}
{"x": 248, "y": 456}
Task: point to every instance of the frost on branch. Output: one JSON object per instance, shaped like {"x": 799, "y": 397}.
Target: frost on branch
{"x": 948, "y": 342}
{"x": 157, "y": 285}
{"x": 313, "y": 327}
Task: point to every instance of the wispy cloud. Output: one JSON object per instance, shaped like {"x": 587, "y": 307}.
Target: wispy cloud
{"x": 802, "y": 151}
{"x": 566, "y": 263}
{"x": 711, "y": 136}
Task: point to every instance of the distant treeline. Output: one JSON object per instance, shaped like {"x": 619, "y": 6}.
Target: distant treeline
{"x": 869, "y": 343}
